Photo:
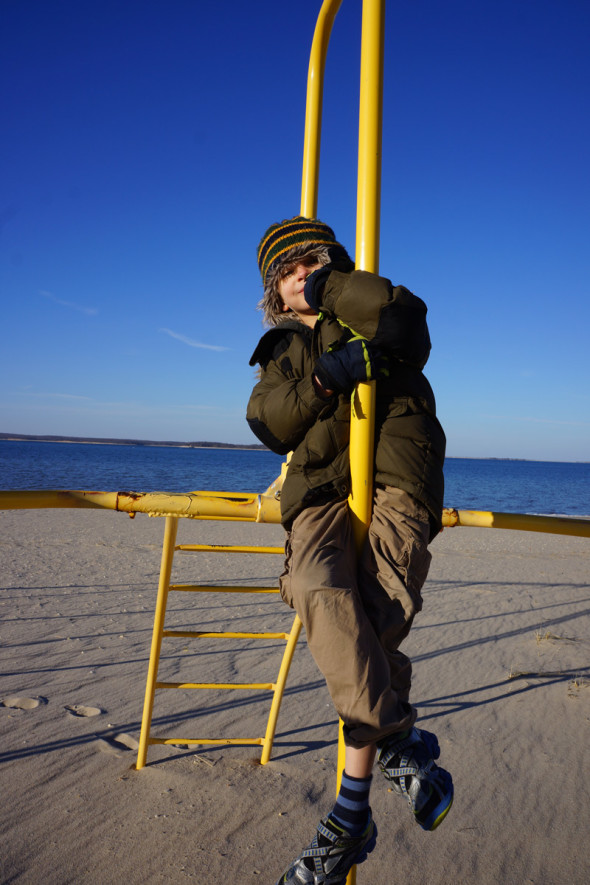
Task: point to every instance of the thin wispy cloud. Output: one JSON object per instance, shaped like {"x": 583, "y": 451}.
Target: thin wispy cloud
{"x": 130, "y": 407}
{"x": 89, "y": 311}
{"x": 190, "y": 341}
{"x": 52, "y": 395}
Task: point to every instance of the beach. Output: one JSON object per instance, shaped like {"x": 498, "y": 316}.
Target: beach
{"x": 501, "y": 675}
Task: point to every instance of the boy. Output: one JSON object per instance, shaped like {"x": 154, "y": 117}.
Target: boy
{"x": 333, "y": 326}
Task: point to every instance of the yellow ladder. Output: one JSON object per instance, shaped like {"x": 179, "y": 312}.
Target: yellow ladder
{"x": 164, "y": 587}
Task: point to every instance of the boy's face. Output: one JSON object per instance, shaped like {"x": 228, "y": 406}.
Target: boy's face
{"x": 291, "y": 289}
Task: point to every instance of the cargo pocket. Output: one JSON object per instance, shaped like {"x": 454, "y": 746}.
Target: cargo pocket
{"x": 400, "y": 562}
{"x": 399, "y": 534}
{"x": 417, "y": 560}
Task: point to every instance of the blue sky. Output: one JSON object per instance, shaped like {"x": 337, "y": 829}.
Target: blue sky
{"x": 147, "y": 144}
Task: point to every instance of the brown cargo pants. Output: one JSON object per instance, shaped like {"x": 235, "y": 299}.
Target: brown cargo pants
{"x": 357, "y": 609}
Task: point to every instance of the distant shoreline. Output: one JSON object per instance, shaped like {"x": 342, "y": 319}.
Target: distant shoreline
{"x": 253, "y": 447}
{"x": 98, "y": 441}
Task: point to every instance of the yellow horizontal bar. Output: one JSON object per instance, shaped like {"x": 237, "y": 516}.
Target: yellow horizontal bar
{"x": 197, "y": 634}
{"x": 266, "y": 686}
{"x": 558, "y": 525}
{"x": 212, "y": 588}
{"x": 219, "y": 741}
{"x": 244, "y": 507}
{"x": 240, "y": 507}
{"x": 220, "y": 548}
{"x": 32, "y": 500}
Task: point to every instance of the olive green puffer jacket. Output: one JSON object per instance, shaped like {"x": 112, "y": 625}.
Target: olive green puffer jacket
{"x": 286, "y": 414}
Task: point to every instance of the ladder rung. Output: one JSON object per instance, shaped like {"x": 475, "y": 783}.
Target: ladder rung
{"x": 267, "y": 686}
{"x": 212, "y": 588}
{"x": 219, "y": 741}
{"x": 198, "y": 634}
{"x": 221, "y": 548}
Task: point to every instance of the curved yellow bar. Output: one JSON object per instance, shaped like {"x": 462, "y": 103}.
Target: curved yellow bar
{"x": 313, "y": 108}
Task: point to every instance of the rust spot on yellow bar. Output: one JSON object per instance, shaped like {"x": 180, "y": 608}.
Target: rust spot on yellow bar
{"x": 450, "y": 517}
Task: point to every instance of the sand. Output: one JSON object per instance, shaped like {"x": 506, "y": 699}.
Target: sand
{"x": 502, "y": 675}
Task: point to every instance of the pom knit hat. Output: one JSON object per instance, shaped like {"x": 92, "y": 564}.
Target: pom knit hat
{"x": 282, "y": 237}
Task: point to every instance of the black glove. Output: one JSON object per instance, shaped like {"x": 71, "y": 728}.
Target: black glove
{"x": 357, "y": 360}
{"x": 314, "y": 284}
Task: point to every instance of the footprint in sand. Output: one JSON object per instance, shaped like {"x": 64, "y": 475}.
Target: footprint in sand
{"x": 19, "y": 703}
{"x": 126, "y": 740}
{"x": 112, "y": 745}
{"x": 106, "y": 747}
{"x": 81, "y": 710}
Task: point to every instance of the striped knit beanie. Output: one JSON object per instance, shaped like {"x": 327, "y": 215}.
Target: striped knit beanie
{"x": 282, "y": 237}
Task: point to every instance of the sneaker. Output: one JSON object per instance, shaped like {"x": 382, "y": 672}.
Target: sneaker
{"x": 408, "y": 762}
{"x": 330, "y": 856}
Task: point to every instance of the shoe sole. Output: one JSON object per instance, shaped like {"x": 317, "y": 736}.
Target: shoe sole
{"x": 438, "y": 814}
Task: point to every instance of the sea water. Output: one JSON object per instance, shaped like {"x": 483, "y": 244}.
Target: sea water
{"x": 470, "y": 484}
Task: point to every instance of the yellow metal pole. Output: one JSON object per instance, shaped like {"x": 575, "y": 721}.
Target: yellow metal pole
{"x": 362, "y": 435}
{"x": 163, "y": 585}
{"x": 279, "y": 690}
{"x": 313, "y": 109}
{"x": 370, "y": 128}
{"x": 362, "y": 424}
{"x": 367, "y": 248}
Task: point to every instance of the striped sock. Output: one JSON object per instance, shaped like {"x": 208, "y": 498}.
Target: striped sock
{"x": 351, "y": 810}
